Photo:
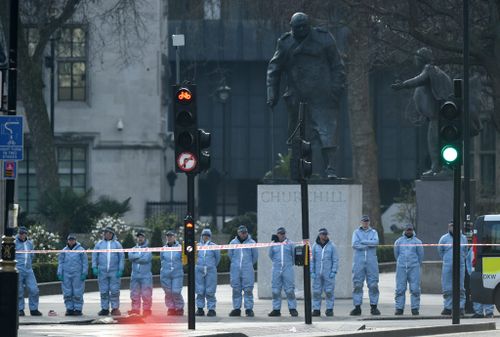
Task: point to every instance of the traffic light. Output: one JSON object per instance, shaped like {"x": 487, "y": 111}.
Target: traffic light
{"x": 185, "y": 128}
{"x": 204, "y": 140}
{"x": 300, "y": 160}
{"x": 450, "y": 133}
{"x": 189, "y": 241}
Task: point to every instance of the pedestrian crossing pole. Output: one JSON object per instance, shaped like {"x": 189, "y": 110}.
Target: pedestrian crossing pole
{"x": 9, "y": 314}
{"x": 304, "y": 197}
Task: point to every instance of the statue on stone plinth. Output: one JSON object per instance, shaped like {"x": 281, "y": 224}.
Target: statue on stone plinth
{"x": 315, "y": 74}
{"x": 432, "y": 88}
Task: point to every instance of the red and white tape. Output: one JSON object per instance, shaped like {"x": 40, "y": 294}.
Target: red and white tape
{"x": 225, "y": 247}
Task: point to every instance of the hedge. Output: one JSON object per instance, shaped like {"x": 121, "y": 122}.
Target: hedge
{"x": 47, "y": 271}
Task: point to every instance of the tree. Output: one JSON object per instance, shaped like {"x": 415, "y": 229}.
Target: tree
{"x": 403, "y": 25}
{"x": 39, "y": 21}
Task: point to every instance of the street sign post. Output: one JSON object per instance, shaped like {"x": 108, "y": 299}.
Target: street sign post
{"x": 11, "y": 138}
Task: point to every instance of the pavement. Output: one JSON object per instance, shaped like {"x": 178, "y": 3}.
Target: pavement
{"x": 159, "y": 324}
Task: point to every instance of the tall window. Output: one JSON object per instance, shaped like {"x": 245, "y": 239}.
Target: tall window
{"x": 72, "y": 169}
{"x": 72, "y": 66}
{"x": 487, "y": 160}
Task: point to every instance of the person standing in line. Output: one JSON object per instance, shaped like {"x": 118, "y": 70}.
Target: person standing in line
{"x": 282, "y": 257}
{"x": 242, "y": 273}
{"x": 172, "y": 276}
{"x": 72, "y": 271}
{"x": 324, "y": 267}
{"x": 27, "y": 277}
{"x": 445, "y": 250}
{"x": 409, "y": 254}
{"x": 206, "y": 275}
{"x": 141, "y": 280}
{"x": 365, "y": 266}
{"x": 108, "y": 267}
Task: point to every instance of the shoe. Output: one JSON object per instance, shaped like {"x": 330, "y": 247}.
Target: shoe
{"x": 103, "y": 312}
{"x": 374, "y": 310}
{"x": 294, "y": 312}
{"x": 274, "y": 313}
{"x": 35, "y": 313}
{"x": 179, "y": 312}
{"x": 446, "y": 312}
{"x": 477, "y": 316}
{"x": 133, "y": 312}
{"x": 356, "y": 311}
{"x": 235, "y": 313}
{"x": 488, "y": 316}
{"x": 200, "y": 312}
{"x": 77, "y": 313}
{"x": 21, "y": 313}
{"x": 329, "y": 312}
{"x": 171, "y": 312}
{"x": 116, "y": 312}
{"x": 211, "y": 313}
{"x": 399, "y": 312}
{"x": 146, "y": 312}
{"x": 249, "y": 313}
{"x": 316, "y": 313}
{"x": 70, "y": 313}
{"x": 415, "y": 312}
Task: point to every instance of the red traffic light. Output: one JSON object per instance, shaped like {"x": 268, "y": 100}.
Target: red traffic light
{"x": 184, "y": 96}
{"x": 189, "y": 225}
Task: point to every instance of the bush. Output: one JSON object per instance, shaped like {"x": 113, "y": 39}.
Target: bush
{"x": 43, "y": 240}
{"x": 385, "y": 254}
{"x": 248, "y": 219}
{"x": 118, "y": 225}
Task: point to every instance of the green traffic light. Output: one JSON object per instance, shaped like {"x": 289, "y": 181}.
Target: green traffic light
{"x": 449, "y": 154}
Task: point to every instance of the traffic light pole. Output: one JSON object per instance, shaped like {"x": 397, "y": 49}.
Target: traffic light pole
{"x": 9, "y": 319}
{"x": 190, "y": 256}
{"x": 457, "y": 172}
{"x": 304, "y": 198}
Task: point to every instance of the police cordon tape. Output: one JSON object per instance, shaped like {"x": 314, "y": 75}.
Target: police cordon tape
{"x": 225, "y": 247}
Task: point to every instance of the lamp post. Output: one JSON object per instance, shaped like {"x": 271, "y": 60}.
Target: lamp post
{"x": 9, "y": 319}
{"x": 223, "y": 94}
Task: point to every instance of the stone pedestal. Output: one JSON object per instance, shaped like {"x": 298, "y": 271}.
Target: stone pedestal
{"x": 335, "y": 207}
{"x": 434, "y": 212}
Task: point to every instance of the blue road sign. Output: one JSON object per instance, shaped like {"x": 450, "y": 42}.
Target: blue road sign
{"x": 11, "y": 137}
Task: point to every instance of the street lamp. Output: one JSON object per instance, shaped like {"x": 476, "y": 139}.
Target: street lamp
{"x": 223, "y": 94}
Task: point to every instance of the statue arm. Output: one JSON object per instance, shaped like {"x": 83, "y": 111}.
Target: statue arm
{"x": 274, "y": 71}
{"x": 337, "y": 69}
{"x": 417, "y": 81}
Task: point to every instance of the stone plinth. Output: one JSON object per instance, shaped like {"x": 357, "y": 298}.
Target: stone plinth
{"x": 336, "y": 207}
{"x": 434, "y": 212}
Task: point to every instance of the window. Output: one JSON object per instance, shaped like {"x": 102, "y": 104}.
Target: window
{"x": 72, "y": 65}
{"x": 72, "y": 169}
{"x": 487, "y": 160}
{"x": 491, "y": 235}
{"x": 26, "y": 182}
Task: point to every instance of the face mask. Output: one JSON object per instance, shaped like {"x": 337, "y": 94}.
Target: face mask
{"x": 451, "y": 233}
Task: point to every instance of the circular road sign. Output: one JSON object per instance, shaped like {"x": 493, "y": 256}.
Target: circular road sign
{"x": 186, "y": 161}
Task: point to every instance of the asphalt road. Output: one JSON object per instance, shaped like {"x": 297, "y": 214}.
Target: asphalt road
{"x": 261, "y": 325}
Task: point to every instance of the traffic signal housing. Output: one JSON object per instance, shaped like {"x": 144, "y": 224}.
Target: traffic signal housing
{"x": 185, "y": 128}
{"x": 189, "y": 240}
{"x": 450, "y": 130}
{"x": 300, "y": 160}
{"x": 204, "y": 140}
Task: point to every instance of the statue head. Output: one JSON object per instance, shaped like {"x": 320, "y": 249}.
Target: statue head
{"x": 300, "y": 25}
{"x": 424, "y": 56}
